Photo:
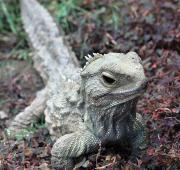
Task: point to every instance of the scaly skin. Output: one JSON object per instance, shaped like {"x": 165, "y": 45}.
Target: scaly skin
{"x": 109, "y": 91}
{"x": 96, "y": 106}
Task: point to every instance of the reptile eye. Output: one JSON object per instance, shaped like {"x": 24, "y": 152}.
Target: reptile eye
{"x": 108, "y": 79}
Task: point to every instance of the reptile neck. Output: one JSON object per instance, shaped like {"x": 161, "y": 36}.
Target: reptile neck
{"x": 111, "y": 123}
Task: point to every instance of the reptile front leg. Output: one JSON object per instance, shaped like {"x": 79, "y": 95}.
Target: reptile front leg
{"x": 71, "y": 146}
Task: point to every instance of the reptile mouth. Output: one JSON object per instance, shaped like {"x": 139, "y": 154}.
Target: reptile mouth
{"x": 129, "y": 92}
{"x": 140, "y": 89}
{"x": 122, "y": 96}
{"x": 132, "y": 92}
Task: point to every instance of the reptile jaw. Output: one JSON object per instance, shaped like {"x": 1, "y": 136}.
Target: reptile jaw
{"x": 121, "y": 101}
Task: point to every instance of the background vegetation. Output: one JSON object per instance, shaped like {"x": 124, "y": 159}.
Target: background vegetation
{"x": 149, "y": 27}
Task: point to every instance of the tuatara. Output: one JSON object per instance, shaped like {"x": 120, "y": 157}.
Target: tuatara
{"x": 84, "y": 108}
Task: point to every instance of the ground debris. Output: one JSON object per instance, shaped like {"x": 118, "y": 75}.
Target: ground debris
{"x": 148, "y": 27}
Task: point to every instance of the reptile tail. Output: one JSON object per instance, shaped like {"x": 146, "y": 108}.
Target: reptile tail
{"x": 53, "y": 53}
{"x": 54, "y": 60}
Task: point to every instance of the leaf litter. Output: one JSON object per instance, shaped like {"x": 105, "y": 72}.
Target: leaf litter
{"x": 151, "y": 28}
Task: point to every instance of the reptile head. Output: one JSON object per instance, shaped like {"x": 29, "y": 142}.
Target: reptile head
{"x": 113, "y": 78}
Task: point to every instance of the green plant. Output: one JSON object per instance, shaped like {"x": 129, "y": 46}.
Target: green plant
{"x": 10, "y": 20}
{"x": 32, "y": 128}
{"x": 65, "y": 9}
{"x": 10, "y": 23}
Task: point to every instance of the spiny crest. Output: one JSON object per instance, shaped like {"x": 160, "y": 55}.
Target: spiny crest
{"x": 90, "y": 59}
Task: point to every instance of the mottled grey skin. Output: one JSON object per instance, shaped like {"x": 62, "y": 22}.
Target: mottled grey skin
{"x": 83, "y": 109}
{"x": 104, "y": 109}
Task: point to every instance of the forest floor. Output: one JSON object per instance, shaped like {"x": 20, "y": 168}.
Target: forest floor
{"x": 151, "y": 28}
